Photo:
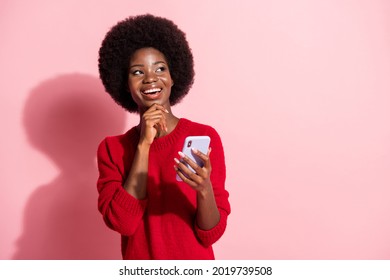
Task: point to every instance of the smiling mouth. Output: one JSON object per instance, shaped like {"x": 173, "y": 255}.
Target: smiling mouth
{"x": 152, "y": 91}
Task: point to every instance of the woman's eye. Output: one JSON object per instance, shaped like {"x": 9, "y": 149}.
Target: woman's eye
{"x": 136, "y": 72}
{"x": 160, "y": 69}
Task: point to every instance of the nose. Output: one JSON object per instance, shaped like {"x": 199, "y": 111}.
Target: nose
{"x": 150, "y": 77}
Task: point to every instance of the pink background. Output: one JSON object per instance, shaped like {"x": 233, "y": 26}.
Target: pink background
{"x": 298, "y": 90}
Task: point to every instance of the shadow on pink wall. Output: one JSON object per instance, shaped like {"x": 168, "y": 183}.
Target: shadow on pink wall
{"x": 65, "y": 118}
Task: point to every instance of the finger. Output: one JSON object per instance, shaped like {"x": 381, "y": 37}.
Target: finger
{"x": 185, "y": 178}
{"x": 198, "y": 170}
{"x": 187, "y": 175}
{"x": 156, "y": 118}
{"x": 156, "y": 106}
{"x": 192, "y": 163}
{"x": 164, "y": 125}
{"x": 185, "y": 169}
{"x": 154, "y": 113}
{"x": 205, "y": 158}
{"x": 157, "y": 109}
{"x": 153, "y": 123}
{"x": 161, "y": 121}
{"x": 201, "y": 155}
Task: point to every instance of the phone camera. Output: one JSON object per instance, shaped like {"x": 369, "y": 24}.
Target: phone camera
{"x": 189, "y": 143}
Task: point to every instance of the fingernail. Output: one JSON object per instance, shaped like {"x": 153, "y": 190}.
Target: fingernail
{"x": 176, "y": 160}
{"x": 194, "y": 150}
{"x": 181, "y": 154}
{"x": 166, "y": 111}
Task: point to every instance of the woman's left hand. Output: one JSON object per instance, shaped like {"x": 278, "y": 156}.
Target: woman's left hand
{"x": 200, "y": 180}
{"x": 207, "y": 215}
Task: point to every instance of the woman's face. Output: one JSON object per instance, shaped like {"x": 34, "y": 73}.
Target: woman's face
{"x": 149, "y": 79}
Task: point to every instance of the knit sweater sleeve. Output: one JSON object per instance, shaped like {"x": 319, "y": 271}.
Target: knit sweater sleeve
{"x": 218, "y": 176}
{"x": 121, "y": 211}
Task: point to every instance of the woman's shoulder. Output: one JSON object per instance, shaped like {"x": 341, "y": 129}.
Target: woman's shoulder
{"x": 200, "y": 129}
{"x": 196, "y": 126}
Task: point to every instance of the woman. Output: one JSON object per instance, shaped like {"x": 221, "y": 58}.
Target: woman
{"x": 146, "y": 66}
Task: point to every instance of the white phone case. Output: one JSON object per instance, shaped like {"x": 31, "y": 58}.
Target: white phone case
{"x": 200, "y": 143}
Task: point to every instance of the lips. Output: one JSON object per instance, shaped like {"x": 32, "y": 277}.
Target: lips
{"x": 152, "y": 93}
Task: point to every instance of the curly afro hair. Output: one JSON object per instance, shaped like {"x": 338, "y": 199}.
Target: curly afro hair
{"x": 138, "y": 32}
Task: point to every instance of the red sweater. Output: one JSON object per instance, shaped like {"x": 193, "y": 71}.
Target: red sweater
{"x": 162, "y": 226}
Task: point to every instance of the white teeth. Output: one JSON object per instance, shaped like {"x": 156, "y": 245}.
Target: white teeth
{"x": 152, "y": 90}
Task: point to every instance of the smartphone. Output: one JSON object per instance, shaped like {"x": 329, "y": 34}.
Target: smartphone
{"x": 201, "y": 143}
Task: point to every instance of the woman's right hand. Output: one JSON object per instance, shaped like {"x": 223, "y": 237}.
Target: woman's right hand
{"x": 153, "y": 121}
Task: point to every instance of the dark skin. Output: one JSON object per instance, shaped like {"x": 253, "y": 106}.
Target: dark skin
{"x": 150, "y": 83}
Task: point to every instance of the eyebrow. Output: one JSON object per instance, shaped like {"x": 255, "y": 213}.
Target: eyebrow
{"x": 141, "y": 65}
